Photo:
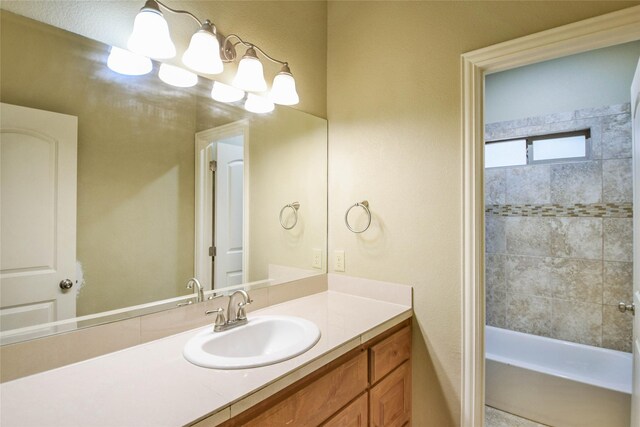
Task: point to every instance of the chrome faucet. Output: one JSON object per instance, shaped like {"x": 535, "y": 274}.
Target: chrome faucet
{"x": 198, "y": 289}
{"x": 236, "y": 317}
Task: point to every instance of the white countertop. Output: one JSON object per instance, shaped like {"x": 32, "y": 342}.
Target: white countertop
{"x": 153, "y": 385}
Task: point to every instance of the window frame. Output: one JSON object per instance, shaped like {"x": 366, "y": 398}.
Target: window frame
{"x": 529, "y": 140}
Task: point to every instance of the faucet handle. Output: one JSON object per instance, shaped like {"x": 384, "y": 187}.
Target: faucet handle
{"x": 220, "y": 319}
{"x": 242, "y": 314}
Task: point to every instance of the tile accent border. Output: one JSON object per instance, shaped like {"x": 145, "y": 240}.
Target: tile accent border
{"x": 592, "y": 210}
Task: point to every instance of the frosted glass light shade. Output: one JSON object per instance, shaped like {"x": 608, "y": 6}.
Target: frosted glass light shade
{"x": 258, "y": 104}
{"x": 176, "y": 76}
{"x": 128, "y": 63}
{"x": 250, "y": 75}
{"x": 203, "y": 54}
{"x": 225, "y": 93}
{"x": 283, "y": 90}
{"x": 150, "y": 36}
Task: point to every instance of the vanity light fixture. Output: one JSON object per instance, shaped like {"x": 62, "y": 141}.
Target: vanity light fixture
{"x": 258, "y": 104}
{"x": 283, "y": 90}
{"x": 250, "y": 74}
{"x": 176, "y": 76}
{"x": 151, "y": 38}
{"x": 128, "y": 63}
{"x": 225, "y": 93}
{"x": 203, "y": 53}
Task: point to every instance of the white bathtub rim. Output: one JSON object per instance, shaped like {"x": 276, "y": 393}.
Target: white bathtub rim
{"x": 621, "y": 388}
{"x": 606, "y": 384}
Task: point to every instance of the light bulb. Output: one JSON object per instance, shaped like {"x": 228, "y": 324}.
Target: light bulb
{"x": 131, "y": 64}
{"x": 283, "y": 90}
{"x": 225, "y": 93}
{"x": 258, "y": 104}
{"x": 250, "y": 76}
{"x": 150, "y": 36}
{"x": 176, "y": 76}
{"x": 203, "y": 54}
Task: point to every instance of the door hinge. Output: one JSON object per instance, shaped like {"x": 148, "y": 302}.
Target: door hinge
{"x": 212, "y": 251}
{"x": 213, "y": 165}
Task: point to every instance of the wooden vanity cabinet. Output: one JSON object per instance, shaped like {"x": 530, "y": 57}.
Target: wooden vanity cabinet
{"x": 368, "y": 386}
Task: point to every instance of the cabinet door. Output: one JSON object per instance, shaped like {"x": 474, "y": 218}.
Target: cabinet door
{"x": 391, "y": 399}
{"x": 354, "y": 415}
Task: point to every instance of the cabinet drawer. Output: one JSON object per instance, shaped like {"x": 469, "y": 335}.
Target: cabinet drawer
{"x": 390, "y": 404}
{"x": 390, "y": 353}
{"x": 319, "y": 400}
{"x": 354, "y": 415}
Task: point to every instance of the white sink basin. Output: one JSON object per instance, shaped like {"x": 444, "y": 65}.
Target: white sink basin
{"x": 263, "y": 341}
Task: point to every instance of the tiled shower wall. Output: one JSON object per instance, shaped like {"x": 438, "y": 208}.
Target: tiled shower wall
{"x": 559, "y": 235}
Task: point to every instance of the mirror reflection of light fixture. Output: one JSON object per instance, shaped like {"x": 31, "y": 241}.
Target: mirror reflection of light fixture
{"x": 225, "y": 93}
{"x": 258, "y": 104}
{"x": 283, "y": 89}
{"x": 128, "y": 63}
{"x": 176, "y": 76}
{"x": 150, "y": 36}
{"x": 203, "y": 54}
{"x": 250, "y": 74}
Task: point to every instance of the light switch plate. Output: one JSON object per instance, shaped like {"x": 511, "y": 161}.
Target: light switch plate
{"x": 317, "y": 258}
{"x": 338, "y": 257}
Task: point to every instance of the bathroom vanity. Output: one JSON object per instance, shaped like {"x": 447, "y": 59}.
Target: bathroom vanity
{"x": 358, "y": 372}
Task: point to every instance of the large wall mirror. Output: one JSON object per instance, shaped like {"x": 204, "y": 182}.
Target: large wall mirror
{"x": 116, "y": 190}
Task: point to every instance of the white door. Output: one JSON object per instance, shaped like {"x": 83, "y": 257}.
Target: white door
{"x": 635, "y": 117}
{"x": 229, "y": 218}
{"x": 37, "y": 216}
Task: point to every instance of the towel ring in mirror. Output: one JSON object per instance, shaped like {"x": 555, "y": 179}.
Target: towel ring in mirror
{"x": 294, "y": 207}
{"x": 364, "y": 205}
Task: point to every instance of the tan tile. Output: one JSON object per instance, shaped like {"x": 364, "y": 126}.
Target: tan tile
{"x": 30, "y": 357}
{"x": 496, "y": 309}
{"x": 529, "y": 275}
{"x": 495, "y": 276}
{"x": 579, "y": 322}
{"x": 618, "y": 239}
{"x": 617, "y": 329}
{"x": 576, "y": 238}
{"x": 529, "y": 314}
{"x": 618, "y": 282}
{"x": 528, "y": 236}
{"x": 496, "y": 418}
{"x": 576, "y": 279}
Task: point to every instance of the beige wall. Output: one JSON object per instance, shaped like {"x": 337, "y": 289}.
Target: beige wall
{"x": 590, "y": 79}
{"x": 293, "y": 31}
{"x": 393, "y": 103}
{"x": 287, "y": 160}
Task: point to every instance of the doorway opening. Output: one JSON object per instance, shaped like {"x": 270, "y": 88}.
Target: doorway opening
{"x": 221, "y": 162}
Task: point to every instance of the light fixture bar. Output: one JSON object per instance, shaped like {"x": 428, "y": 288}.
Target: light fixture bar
{"x": 229, "y": 49}
{"x": 195, "y": 18}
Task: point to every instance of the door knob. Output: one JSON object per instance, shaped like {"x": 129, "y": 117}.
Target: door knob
{"x": 66, "y": 284}
{"x": 627, "y": 307}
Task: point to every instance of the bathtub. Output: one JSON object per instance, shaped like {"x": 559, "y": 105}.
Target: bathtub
{"x": 555, "y": 382}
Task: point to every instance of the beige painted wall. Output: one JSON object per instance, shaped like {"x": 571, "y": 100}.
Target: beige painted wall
{"x": 135, "y": 182}
{"x": 589, "y": 79}
{"x": 297, "y": 144}
{"x": 393, "y": 103}
{"x": 293, "y": 31}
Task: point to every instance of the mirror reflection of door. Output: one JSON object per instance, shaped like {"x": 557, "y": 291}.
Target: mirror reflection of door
{"x": 38, "y": 216}
{"x": 220, "y": 206}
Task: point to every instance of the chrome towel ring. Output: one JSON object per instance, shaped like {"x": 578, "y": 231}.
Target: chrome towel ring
{"x": 364, "y": 205}
{"x": 294, "y": 207}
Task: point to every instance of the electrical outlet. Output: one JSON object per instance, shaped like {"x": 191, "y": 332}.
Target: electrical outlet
{"x": 338, "y": 258}
{"x": 317, "y": 258}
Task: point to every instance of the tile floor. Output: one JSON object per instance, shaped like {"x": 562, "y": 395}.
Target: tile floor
{"x": 496, "y": 418}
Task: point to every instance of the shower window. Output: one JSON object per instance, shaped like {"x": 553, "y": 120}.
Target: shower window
{"x": 538, "y": 149}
